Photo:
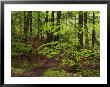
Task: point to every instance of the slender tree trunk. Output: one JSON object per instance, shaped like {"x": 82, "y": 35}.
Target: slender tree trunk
{"x": 52, "y": 22}
{"x": 13, "y": 24}
{"x": 47, "y": 32}
{"x": 66, "y": 20}
{"x": 38, "y": 24}
{"x": 26, "y": 26}
{"x": 20, "y": 24}
{"x": 27, "y": 21}
{"x": 75, "y": 29}
{"x": 93, "y": 31}
{"x": 58, "y": 24}
{"x": 30, "y": 20}
{"x": 86, "y": 30}
{"x": 80, "y": 33}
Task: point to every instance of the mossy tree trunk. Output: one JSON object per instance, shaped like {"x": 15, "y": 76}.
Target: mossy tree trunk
{"x": 86, "y": 30}
{"x": 93, "y": 32}
{"x": 58, "y": 24}
{"x": 80, "y": 33}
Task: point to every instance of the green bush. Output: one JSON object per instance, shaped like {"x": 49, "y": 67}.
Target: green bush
{"x": 89, "y": 73}
{"x": 84, "y": 53}
{"x": 67, "y": 62}
{"x": 20, "y": 48}
{"x": 96, "y": 51}
{"x": 54, "y": 73}
{"x": 49, "y": 49}
{"x": 54, "y": 48}
{"x": 67, "y": 46}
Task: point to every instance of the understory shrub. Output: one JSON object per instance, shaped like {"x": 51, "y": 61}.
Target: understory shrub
{"x": 56, "y": 73}
{"x": 49, "y": 49}
{"x": 67, "y": 62}
{"x": 19, "y": 48}
{"x": 85, "y": 53}
{"x": 89, "y": 73}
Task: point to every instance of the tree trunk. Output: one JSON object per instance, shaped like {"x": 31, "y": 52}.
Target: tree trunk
{"x": 58, "y": 24}
{"x": 38, "y": 24}
{"x": 12, "y": 24}
{"x": 52, "y": 22}
{"x": 93, "y": 37}
{"x": 26, "y": 26}
{"x": 86, "y": 30}
{"x": 47, "y": 32}
{"x": 80, "y": 33}
{"x": 93, "y": 32}
{"x": 75, "y": 29}
{"x": 30, "y": 20}
{"x": 20, "y": 23}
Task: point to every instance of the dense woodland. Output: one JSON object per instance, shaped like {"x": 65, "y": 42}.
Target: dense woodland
{"x": 55, "y": 43}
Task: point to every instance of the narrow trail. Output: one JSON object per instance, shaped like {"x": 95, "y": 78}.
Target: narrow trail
{"x": 46, "y": 63}
{"x": 36, "y": 72}
{"x": 39, "y": 71}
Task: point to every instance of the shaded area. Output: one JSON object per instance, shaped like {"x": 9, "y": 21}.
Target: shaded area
{"x": 55, "y": 43}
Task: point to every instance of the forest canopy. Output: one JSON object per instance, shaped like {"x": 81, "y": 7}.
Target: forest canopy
{"x": 55, "y": 43}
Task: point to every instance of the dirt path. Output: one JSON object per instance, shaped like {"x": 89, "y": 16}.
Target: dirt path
{"x": 39, "y": 71}
{"x": 36, "y": 72}
{"x": 46, "y": 63}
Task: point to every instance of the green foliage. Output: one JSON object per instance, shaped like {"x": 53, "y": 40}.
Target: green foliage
{"x": 48, "y": 45}
{"x": 49, "y": 52}
{"x": 19, "y": 67}
{"x": 84, "y": 53}
{"x": 96, "y": 51}
{"x": 63, "y": 34}
{"x": 53, "y": 48}
{"x": 17, "y": 38}
{"x": 66, "y": 45}
{"x": 20, "y": 48}
{"x": 67, "y": 62}
{"x": 49, "y": 49}
{"x": 56, "y": 73}
{"x": 89, "y": 73}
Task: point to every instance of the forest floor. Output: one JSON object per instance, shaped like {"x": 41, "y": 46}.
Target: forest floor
{"x": 39, "y": 70}
{"x": 35, "y": 65}
{"x": 44, "y": 63}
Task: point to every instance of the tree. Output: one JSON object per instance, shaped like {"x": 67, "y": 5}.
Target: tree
{"x": 52, "y": 26}
{"x": 30, "y": 21}
{"x": 20, "y": 20}
{"x": 26, "y": 26}
{"x": 58, "y": 24}
{"x": 50, "y": 32}
{"x": 13, "y": 23}
{"x": 86, "y": 30}
{"x": 38, "y": 24}
{"x": 80, "y": 33}
{"x": 93, "y": 31}
{"x": 47, "y": 32}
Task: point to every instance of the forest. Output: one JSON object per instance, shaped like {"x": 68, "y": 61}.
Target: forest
{"x": 55, "y": 43}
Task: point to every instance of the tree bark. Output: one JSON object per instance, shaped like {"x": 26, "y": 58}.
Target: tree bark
{"x": 38, "y": 25}
{"x": 93, "y": 32}
{"x": 13, "y": 24}
{"x": 58, "y": 24}
{"x": 20, "y": 24}
{"x": 86, "y": 30}
{"x": 80, "y": 33}
{"x": 30, "y": 20}
{"x": 26, "y": 26}
{"x": 47, "y": 32}
{"x": 52, "y": 24}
